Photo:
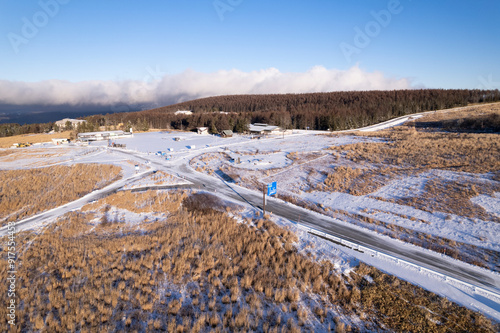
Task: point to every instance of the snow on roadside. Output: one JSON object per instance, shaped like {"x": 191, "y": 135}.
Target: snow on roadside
{"x": 345, "y": 259}
{"x": 456, "y": 292}
{"x": 390, "y": 123}
{"x": 458, "y": 228}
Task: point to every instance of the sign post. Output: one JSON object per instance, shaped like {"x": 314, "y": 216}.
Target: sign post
{"x": 264, "y": 200}
{"x": 271, "y": 189}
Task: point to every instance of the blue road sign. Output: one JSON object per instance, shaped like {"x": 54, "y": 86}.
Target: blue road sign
{"x": 271, "y": 188}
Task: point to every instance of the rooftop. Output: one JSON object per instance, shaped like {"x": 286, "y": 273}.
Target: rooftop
{"x": 100, "y": 133}
{"x": 258, "y": 127}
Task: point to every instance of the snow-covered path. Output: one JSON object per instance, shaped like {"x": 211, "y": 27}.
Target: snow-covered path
{"x": 52, "y": 214}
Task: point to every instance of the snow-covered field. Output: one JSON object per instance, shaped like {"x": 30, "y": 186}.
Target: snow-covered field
{"x": 458, "y": 228}
{"x": 490, "y": 204}
{"x": 158, "y": 179}
{"x": 296, "y": 179}
{"x": 289, "y": 161}
{"x": 173, "y": 142}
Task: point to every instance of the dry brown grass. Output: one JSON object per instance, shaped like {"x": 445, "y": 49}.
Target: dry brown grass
{"x": 6, "y": 152}
{"x": 356, "y": 181}
{"x": 7, "y": 142}
{"x": 406, "y": 308}
{"x": 38, "y": 155}
{"x": 175, "y": 274}
{"x": 303, "y": 157}
{"x": 161, "y": 178}
{"x": 142, "y": 202}
{"x": 453, "y": 197}
{"x": 475, "y": 118}
{"x": 416, "y": 150}
{"x": 26, "y": 192}
{"x": 410, "y": 152}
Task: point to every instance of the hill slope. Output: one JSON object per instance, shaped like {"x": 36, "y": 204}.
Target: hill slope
{"x": 320, "y": 111}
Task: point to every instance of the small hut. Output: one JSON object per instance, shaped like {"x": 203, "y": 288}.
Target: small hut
{"x": 226, "y": 133}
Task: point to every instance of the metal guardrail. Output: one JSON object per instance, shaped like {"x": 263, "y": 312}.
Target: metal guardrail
{"x": 375, "y": 253}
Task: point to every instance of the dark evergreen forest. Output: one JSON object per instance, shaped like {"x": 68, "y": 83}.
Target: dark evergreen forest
{"x": 319, "y": 111}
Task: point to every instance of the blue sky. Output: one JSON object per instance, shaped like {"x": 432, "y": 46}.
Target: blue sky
{"x": 434, "y": 44}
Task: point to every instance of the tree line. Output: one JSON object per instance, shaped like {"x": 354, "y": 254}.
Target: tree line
{"x": 318, "y": 111}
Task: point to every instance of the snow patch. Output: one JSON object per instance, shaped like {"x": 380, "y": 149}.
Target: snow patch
{"x": 440, "y": 224}
{"x": 490, "y": 204}
{"x": 260, "y": 161}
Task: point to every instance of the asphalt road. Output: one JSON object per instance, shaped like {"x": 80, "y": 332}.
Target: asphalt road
{"x": 330, "y": 226}
{"x": 179, "y": 167}
{"x": 415, "y": 255}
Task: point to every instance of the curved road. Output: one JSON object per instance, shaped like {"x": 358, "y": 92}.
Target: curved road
{"x": 424, "y": 258}
{"x": 456, "y": 269}
{"x": 427, "y": 259}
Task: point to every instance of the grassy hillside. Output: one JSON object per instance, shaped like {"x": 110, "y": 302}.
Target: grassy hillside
{"x": 320, "y": 111}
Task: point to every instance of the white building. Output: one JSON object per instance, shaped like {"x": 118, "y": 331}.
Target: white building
{"x": 259, "y": 128}
{"x": 74, "y": 122}
{"x": 186, "y": 112}
{"x": 202, "y": 130}
{"x": 58, "y": 142}
{"x": 106, "y": 135}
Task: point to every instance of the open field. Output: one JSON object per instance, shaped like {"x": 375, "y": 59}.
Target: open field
{"x": 412, "y": 153}
{"x": 27, "y": 192}
{"x": 480, "y": 118}
{"x": 409, "y": 148}
{"x": 157, "y": 179}
{"x": 432, "y": 188}
{"x": 47, "y": 155}
{"x": 190, "y": 267}
{"x": 7, "y": 142}
{"x": 14, "y": 155}
{"x": 144, "y": 260}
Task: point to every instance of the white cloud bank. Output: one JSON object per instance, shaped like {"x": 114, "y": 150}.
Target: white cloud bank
{"x": 189, "y": 84}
